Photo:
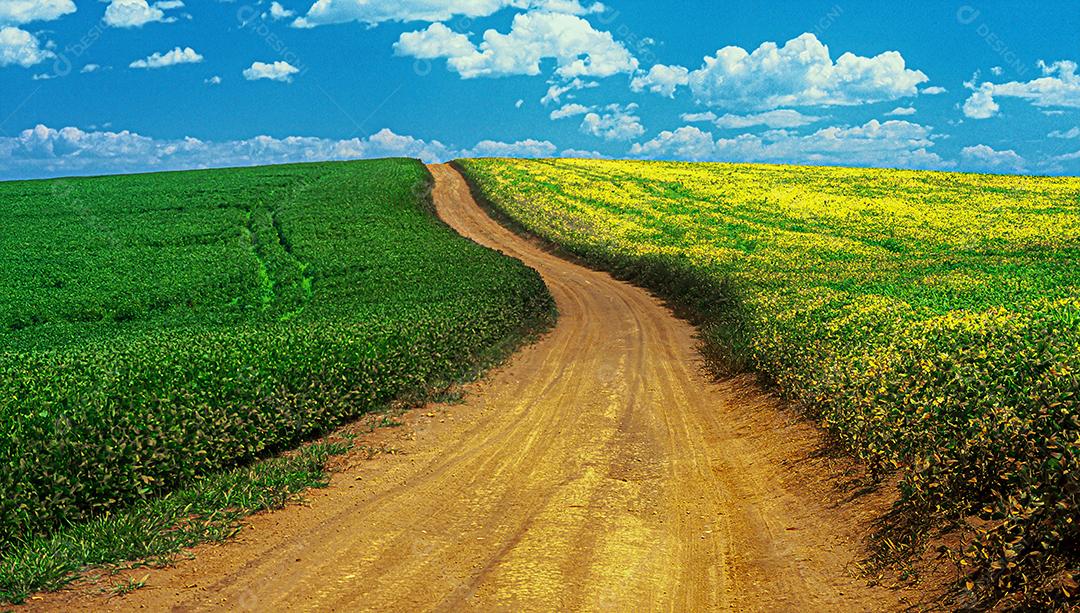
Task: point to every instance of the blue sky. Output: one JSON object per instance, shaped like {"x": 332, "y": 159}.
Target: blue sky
{"x": 103, "y": 86}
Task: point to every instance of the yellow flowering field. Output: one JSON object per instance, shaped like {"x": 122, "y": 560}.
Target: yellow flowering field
{"x": 930, "y": 321}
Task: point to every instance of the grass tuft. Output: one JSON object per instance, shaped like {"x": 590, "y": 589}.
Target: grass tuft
{"x": 208, "y": 511}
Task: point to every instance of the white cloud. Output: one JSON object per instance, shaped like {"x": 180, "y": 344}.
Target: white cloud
{"x": 933, "y": 90}
{"x": 695, "y": 117}
{"x": 983, "y": 157}
{"x": 386, "y": 143}
{"x": 19, "y": 47}
{"x": 526, "y": 148}
{"x": 90, "y": 68}
{"x": 278, "y": 71}
{"x": 685, "y": 143}
{"x": 279, "y": 12}
{"x": 18, "y": 12}
{"x": 894, "y": 143}
{"x": 520, "y": 103}
{"x": 901, "y": 111}
{"x": 583, "y": 154}
{"x": 435, "y": 42}
{"x": 981, "y": 105}
{"x": 661, "y": 79}
{"x": 1058, "y": 87}
{"x": 997, "y": 71}
{"x": 1070, "y": 133}
{"x": 780, "y": 118}
{"x": 569, "y": 110}
{"x": 614, "y": 122}
{"x": 43, "y": 151}
{"x": 373, "y": 12}
{"x": 570, "y": 7}
{"x": 577, "y": 48}
{"x": 187, "y": 55}
{"x": 557, "y": 90}
{"x": 214, "y": 80}
{"x": 800, "y": 73}
{"x": 137, "y": 13}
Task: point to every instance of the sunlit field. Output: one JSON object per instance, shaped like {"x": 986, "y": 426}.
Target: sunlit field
{"x": 930, "y": 321}
{"x": 158, "y": 328}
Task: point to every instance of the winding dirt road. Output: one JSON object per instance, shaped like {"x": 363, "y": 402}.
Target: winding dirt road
{"x": 599, "y": 469}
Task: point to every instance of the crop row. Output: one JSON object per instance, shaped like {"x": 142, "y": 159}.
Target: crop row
{"x": 930, "y": 321}
{"x": 299, "y": 297}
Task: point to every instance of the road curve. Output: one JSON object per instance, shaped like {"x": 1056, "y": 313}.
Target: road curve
{"x": 599, "y": 469}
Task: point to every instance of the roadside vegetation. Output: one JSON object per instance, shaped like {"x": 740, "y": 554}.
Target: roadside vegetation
{"x": 156, "y": 330}
{"x": 929, "y": 321}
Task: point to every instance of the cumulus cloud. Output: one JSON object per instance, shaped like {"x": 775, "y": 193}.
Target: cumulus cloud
{"x": 570, "y": 7}
{"x": 614, "y": 122}
{"x": 21, "y": 48}
{"x": 521, "y": 149}
{"x": 277, "y": 71}
{"x": 279, "y": 12}
{"x": 933, "y": 90}
{"x": 137, "y": 13}
{"x": 694, "y": 117}
{"x": 1058, "y": 87}
{"x": 894, "y": 143}
{"x": 583, "y": 154}
{"x": 387, "y": 143}
{"x": 214, "y": 80}
{"x": 781, "y": 118}
{"x": 980, "y": 104}
{"x": 373, "y": 12}
{"x": 557, "y": 90}
{"x": 661, "y": 79}
{"x": 983, "y": 157}
{"x": 577, "y": 48}
{"x": 800, "y": 73}
{"x": 685, "y": 143}
{"x": 901, "y": 111}
{"x": 570, "y": 110}
{"x": 18, "y": 12}
{"x": 187, "y": 55}
{"x": 43, "y": 151}
{"x": 90, "y": 68}
{"x": 437, "y": 41}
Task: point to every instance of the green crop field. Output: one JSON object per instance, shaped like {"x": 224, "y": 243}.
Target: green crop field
{"x": 930, "y": 321}
{"x": 157, "y": 328}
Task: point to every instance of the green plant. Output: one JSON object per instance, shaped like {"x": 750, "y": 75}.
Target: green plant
{"x": 159, "y": 328}
{"x": 930, "y": 321}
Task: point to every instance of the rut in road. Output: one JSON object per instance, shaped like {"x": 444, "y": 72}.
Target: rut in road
{"x": 599, "y": 469}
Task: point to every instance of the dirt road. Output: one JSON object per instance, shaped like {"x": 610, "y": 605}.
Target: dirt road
{"x": 598, "y": 470}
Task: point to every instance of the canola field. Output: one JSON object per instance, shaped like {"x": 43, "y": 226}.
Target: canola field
{"x": 157, "y": 328}
{"x": 930, "y": 321}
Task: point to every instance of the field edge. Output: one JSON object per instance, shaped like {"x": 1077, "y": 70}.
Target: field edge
{"x": 155, "y": 530}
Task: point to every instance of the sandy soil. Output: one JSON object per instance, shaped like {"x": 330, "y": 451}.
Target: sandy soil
{"x": 599, "y": 469}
